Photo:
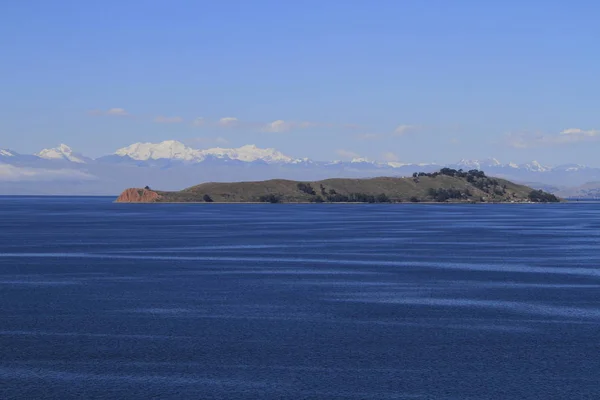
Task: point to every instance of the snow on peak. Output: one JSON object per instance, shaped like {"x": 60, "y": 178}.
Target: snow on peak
{"x": 395, "y": 164}
{"x": 535, "y": 166}
{"x": 304, "y": 160}
{"x": 471, "y": 164}
{"x": 174, "y": 150}
{"x": 476, "y": 164}
{"x": 62, "y": 152}
{"x": 170, "y": 149}
{"x": 6, "y": 153}
{"x": 361, "y": 160}
{"x": 249, "y": 153}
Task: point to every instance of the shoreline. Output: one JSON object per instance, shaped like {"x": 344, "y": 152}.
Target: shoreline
{"x": 330, "y": 203}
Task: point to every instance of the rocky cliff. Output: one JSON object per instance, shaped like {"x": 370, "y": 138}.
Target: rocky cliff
{"x": 138, "y": 196}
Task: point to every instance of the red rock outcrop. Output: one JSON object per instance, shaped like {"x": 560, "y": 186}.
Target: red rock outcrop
{"x": 138, "y": 196}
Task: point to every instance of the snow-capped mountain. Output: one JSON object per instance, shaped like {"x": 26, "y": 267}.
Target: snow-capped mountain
{"x": 169, "y": 149}
{"x": 362, "y": 160}
{"x": 476, "y": 164}
{"x": 535, "y": 166}
{"x": 395, "y": 164}
{"x": 468, "y": 164}
{"x": 493, "y": 163}
{"x": 6, "y": 153}
{"x": 172, "y": 165}
{"x": 62, "y": 152}
{"x": 174, "y": 150}
{"x": 250, "y": 153}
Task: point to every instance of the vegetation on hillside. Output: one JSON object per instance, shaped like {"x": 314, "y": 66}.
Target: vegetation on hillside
{"x": 270, "y": 198}
{"x": 306, "y": 188}
{"x": 444, "y": 186}
{"x": 539, "y": 196}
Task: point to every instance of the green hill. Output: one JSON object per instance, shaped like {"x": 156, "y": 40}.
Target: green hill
{"x": 447, "y": 185}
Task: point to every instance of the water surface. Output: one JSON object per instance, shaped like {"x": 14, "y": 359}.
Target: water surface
{"x": 250, "y": 301}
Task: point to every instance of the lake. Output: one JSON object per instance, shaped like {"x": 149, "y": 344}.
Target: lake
{"x": 323, "y": 301}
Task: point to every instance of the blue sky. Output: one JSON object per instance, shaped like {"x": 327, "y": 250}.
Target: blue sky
{"x": 412, "y": 81}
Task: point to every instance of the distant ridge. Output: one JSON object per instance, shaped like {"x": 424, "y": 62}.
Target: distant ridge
{"x": 174, "y": 150}
{"x": 177, "y": 151}
{"x": 62, "y": 152}
{"x": 172, "y": 165}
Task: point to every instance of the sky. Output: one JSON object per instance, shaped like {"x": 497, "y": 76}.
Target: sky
{"x": 407, "y": 81}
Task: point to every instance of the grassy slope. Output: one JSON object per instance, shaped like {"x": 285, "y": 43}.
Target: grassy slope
{"x": 397, "y": 189}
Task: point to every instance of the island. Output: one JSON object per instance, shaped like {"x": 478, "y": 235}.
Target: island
{"x": 445, "y": 186}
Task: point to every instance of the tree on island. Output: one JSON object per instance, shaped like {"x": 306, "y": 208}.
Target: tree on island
{"x": 270, "y": 198}
{"x": 382, "y": 198}
{"x": 539, "y": 196}
{"x": 306, "y": 188}
{"x": 207, "y": 198}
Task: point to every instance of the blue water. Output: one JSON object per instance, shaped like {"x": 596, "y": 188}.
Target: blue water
{"x": 101, "y": 300}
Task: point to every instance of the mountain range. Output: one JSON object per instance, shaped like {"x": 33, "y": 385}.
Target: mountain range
{"x": 172, "y": 165}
